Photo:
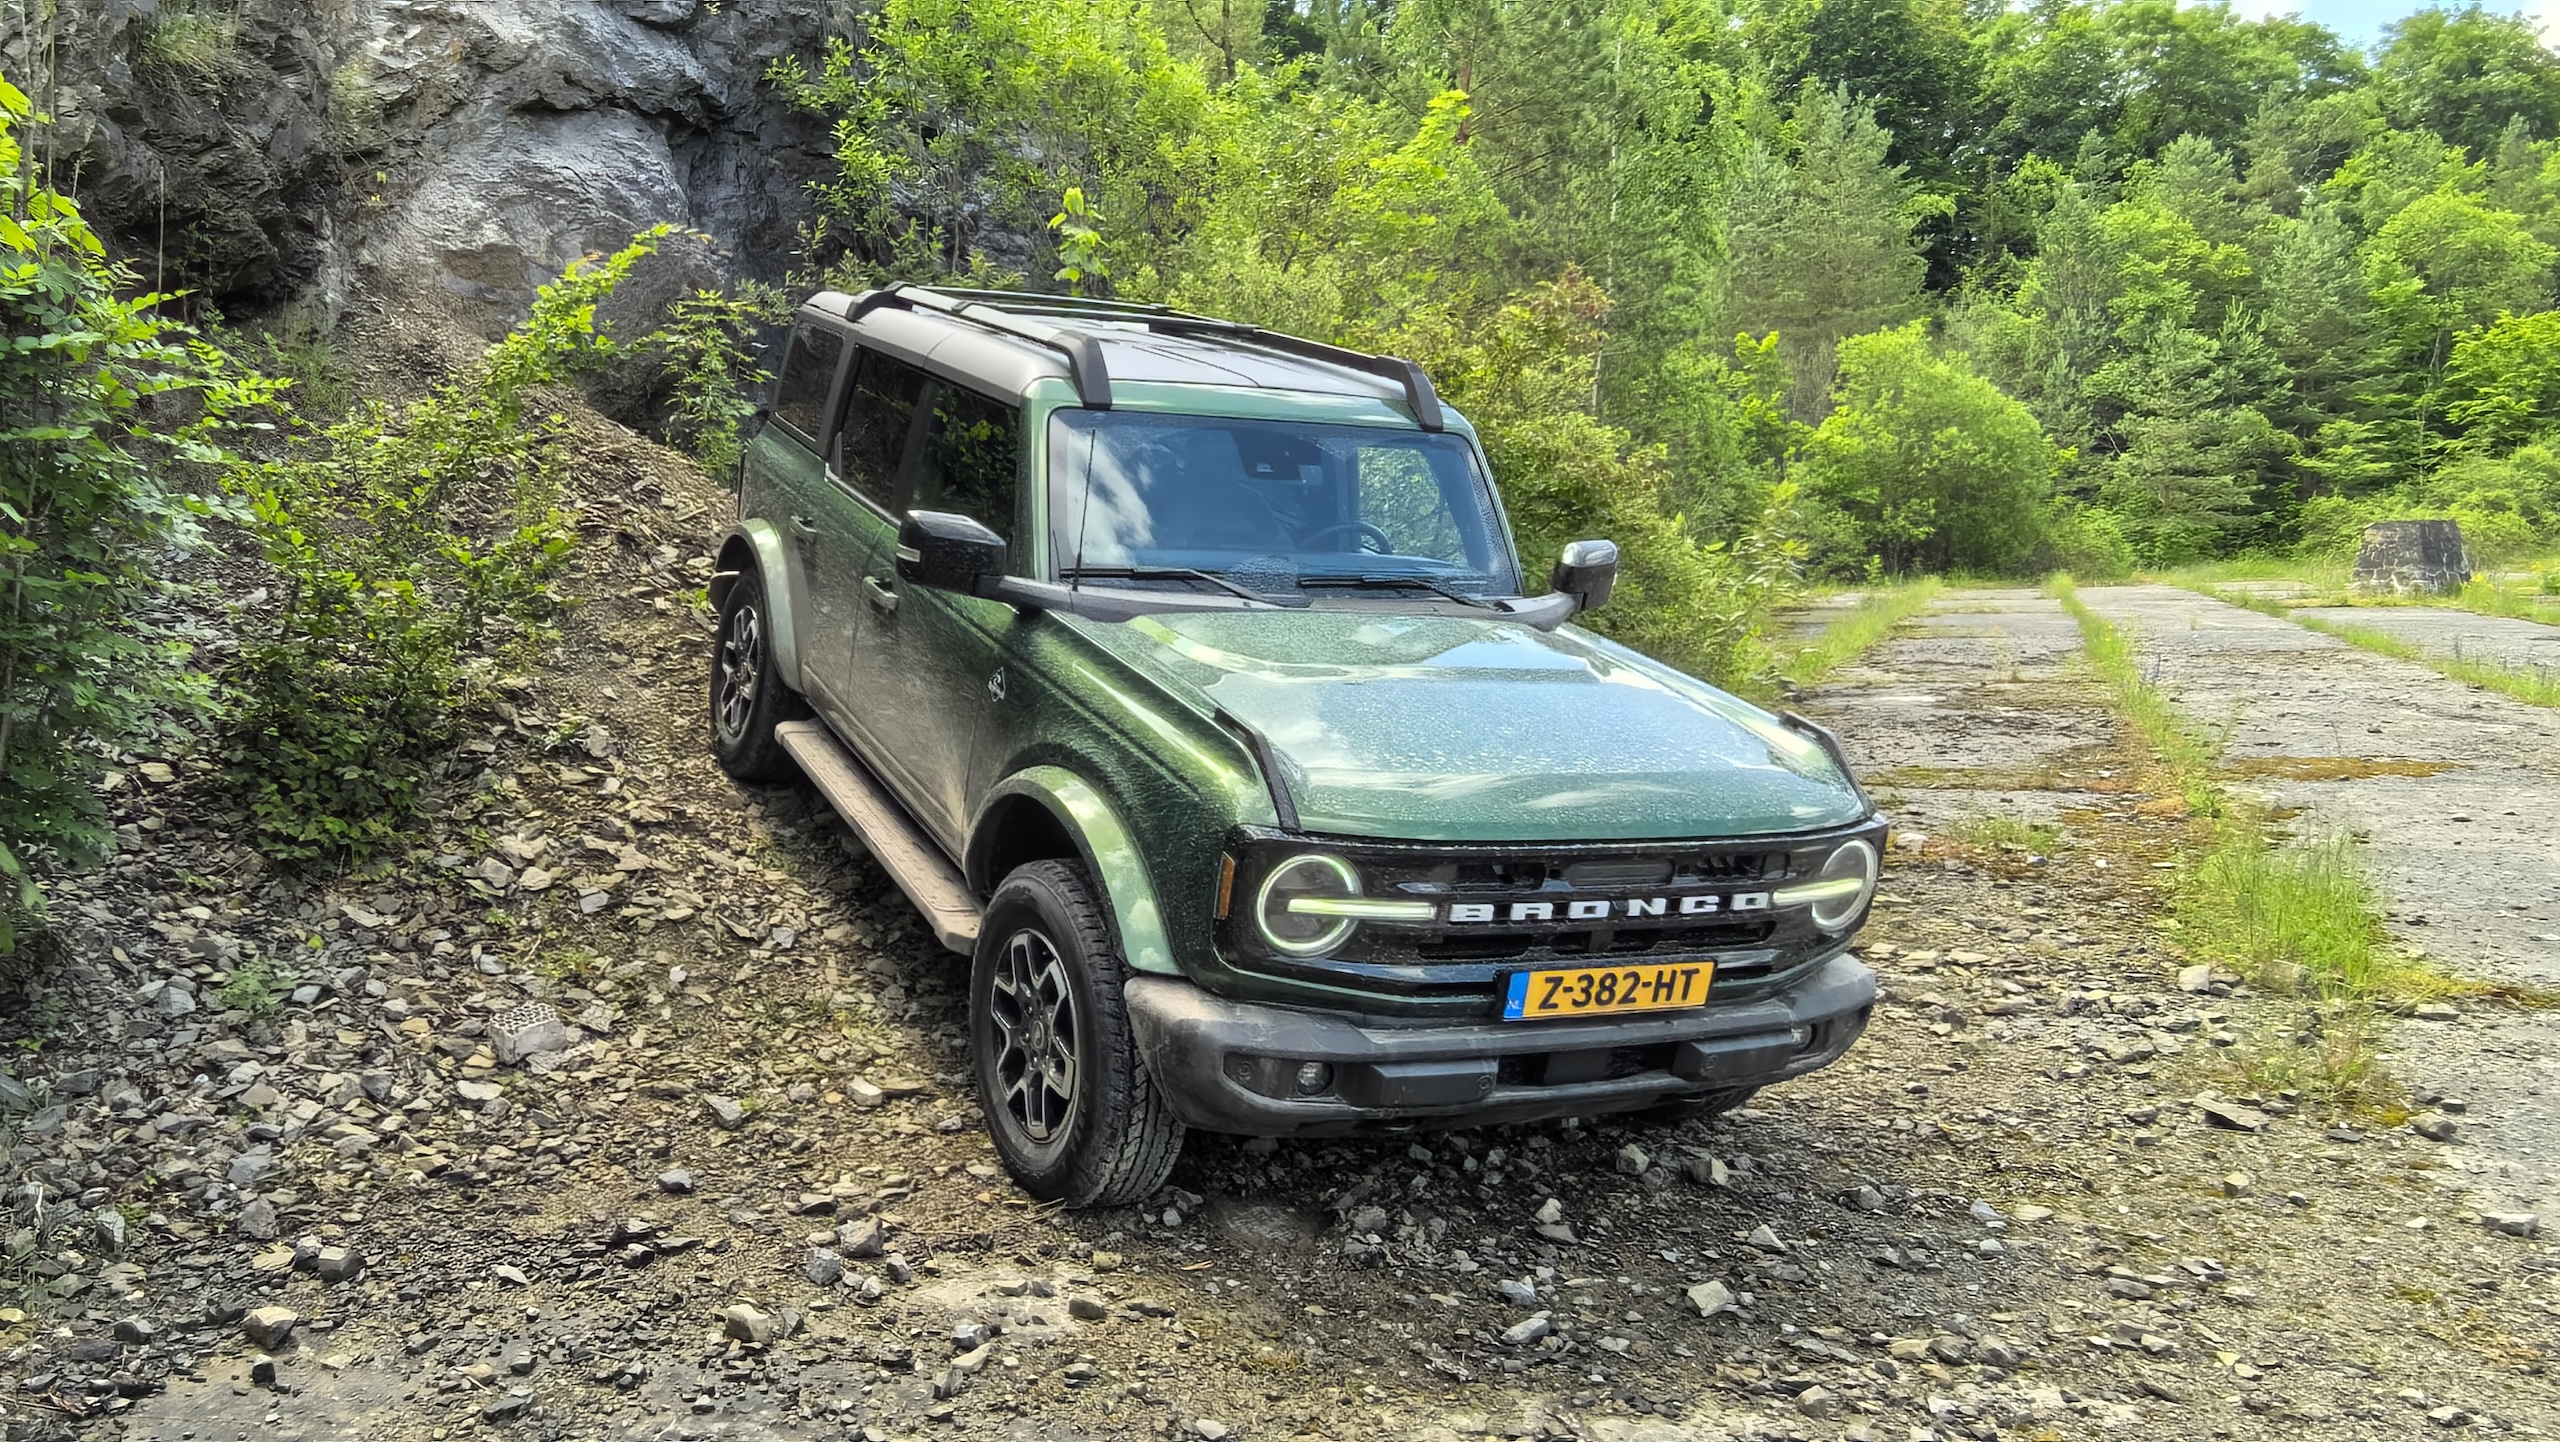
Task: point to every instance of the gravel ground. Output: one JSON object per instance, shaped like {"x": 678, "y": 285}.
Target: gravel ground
{"x": 752, "y": 1199}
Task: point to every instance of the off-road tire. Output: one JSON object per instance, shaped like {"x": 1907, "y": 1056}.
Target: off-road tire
{"x": 1112, "y": 1142}
{"x": 1698, "y": 1106}
{"x": 742, "y": 738}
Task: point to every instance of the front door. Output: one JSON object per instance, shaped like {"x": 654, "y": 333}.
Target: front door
{"x": 931, "y": 659}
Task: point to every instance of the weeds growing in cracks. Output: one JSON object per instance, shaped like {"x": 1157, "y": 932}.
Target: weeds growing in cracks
{"x": 2289, "y": 914}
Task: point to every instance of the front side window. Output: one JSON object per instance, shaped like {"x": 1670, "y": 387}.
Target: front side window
{"x": 971, "y": 457}
{"x": 1276, "y": 507}
{"x": 808, "y": 382}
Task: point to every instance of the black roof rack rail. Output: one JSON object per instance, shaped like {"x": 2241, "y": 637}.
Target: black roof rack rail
{"x": 1083, "y": 353}
{"x": 1418, "y": 391}
{"x": 997, "y": 308}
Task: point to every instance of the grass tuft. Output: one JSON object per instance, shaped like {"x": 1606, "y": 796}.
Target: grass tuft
{"x": 195, "y": 37}
{"x": 2004, "y": 833}
{"x": 2293, "y": 917}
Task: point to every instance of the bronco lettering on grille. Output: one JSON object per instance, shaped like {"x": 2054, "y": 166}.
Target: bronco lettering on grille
{"x": 1627, "y": 907}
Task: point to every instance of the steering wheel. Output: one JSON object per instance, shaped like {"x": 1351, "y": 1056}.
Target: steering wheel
{"x": 1367, "y": 533}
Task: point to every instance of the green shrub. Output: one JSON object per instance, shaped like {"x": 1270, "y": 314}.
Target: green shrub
{"x": 703, "y": 350}
{"x": 2087, "y": 541}
{"x": 106, "y": 411}
{"x": 415, "y": 545}
{"x": 1924, "y": 464}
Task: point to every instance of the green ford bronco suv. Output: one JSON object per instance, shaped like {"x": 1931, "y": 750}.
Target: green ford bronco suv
{"x": 1183, "y": 675}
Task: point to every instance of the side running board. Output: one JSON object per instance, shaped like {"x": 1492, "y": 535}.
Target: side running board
{"x": 907, "y": 854}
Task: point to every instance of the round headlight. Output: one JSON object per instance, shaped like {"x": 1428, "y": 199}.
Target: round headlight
{"x": 1306, "y": 930}
{"x": 1854, "y": 862}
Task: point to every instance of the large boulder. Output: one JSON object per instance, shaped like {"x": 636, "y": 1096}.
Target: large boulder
{"x": 448, "y": 156}
{"x": 2412, "y": 558}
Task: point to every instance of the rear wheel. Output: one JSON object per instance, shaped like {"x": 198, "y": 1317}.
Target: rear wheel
{"x": 1070, "y": 1107}
{"x": 748, "y": 698}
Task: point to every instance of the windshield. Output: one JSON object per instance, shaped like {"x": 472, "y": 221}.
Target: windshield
{"x": 1277, "y": 508}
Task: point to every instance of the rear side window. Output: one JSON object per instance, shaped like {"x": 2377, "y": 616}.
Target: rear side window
{"x": 808, "y": 379}
{"x": 876, "y": 422}
{"x": 970, "y": 458}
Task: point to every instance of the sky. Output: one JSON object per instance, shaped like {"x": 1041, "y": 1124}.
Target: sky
{"x": 2360, "y": 22}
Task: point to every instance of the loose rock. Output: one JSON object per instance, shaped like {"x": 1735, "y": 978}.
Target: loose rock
{"x": 268, "y": 1327}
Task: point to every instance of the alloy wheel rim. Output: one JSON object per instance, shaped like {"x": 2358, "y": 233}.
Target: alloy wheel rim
{"x": 741, "y": 671}
{"x": 1034, "y": 1013}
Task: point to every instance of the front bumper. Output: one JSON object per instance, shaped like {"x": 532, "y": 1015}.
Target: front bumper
{"x": 1230, "y": 1066}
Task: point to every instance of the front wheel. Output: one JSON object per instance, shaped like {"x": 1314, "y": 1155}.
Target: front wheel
{"x": 748, "y": 698}
{"x": 1071, "y": 1109}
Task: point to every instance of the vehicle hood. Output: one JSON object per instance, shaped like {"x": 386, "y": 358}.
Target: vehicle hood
{"x": 1454, "y": 728}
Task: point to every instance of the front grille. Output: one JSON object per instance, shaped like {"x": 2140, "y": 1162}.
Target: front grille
{"x": 1463, "y": 945}
{"x": 1639, "y": 887}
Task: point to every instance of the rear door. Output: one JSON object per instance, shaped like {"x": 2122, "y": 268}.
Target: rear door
{"x": 784, "y": 478}
{"x": 932, "y": 662}
{"x": 865, "y": 469}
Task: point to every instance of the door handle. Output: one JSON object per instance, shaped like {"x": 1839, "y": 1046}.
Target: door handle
{"x": 804, "y": 525}
{"x": 881, "y": 597}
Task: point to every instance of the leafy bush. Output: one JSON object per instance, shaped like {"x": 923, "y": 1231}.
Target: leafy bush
{"x": 106, "y": 409}
{"x": 2088, "y": 542}
{"x": 1924, "y": 464}
{"x": 703, "y": 349}
{"x": 1521, "y": 376}
{"x": 414, "y": 545}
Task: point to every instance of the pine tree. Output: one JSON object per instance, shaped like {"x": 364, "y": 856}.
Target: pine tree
{"x": 1825, "y": 250}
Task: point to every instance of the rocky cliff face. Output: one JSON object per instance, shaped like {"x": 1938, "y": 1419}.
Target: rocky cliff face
{"x": 292, "y": 152}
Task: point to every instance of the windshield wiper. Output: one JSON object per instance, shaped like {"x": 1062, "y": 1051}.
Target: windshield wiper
{"x": 1158, "y": 573}
{"x": 1384, "y": 583}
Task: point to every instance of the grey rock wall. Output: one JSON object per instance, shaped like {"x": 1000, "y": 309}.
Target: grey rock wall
{"x": 459, "y": 150}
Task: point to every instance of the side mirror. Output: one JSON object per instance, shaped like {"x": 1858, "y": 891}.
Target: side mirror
{"x": 1586, "y": 572}
{"x": 949, "y": 552}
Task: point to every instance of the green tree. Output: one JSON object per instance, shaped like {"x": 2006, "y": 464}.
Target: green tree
{"x": 2323, "y": 330}
{"x": 1912, "y": 60}
{"x": 2043, "y": 341}
{"x": 2141, "y": 73}
{"x": 2466, "y": 74}
{"x": 1823, "y": 247}
{"x": 958, "y": 123}
{"x": 2445, "y": 265}
{"x": 1924, "y": 465}
{"x": 2503, "y": 383}
{"x": 2189, "y": 466}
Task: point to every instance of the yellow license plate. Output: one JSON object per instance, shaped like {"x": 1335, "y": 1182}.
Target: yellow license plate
{"x": 1596, "y": 990}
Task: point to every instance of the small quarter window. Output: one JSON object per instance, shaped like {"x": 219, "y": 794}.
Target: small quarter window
{"x": 808, "y": 381}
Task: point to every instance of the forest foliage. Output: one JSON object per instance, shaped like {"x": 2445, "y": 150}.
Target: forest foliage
{"x": 1874, "y": 286}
